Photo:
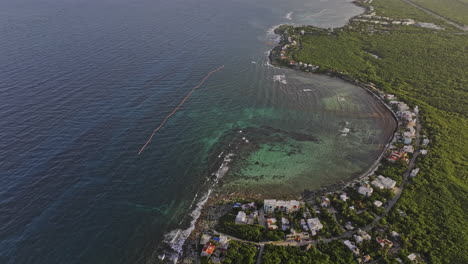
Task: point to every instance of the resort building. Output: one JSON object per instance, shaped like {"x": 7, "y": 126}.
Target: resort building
{"x": 271, "y": 205}
{"x": 382, "y": 182}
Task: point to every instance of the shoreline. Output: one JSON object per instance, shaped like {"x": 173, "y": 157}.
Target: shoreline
{"x": 216, "y": 197}
{"x": 369, "y": 88}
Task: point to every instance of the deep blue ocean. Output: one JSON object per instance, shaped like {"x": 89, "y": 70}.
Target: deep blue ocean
{"x": 83, "y": 83}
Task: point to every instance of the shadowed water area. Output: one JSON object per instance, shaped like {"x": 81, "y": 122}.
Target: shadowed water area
{"x": 84, "y": 83}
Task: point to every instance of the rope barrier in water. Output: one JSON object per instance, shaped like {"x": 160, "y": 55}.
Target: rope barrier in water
{"x": 178, "y": 107}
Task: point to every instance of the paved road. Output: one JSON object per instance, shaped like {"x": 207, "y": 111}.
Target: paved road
{"x": 399, "y": 191}
{"x": 432, "y": 13}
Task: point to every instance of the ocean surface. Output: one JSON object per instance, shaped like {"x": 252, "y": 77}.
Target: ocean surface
{"x": 84, "y": 83}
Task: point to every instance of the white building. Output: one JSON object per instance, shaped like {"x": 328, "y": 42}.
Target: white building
{"x": 425, "y": 142}
{"x": 378, "y": 203}
{"x": 365, "y": 190}
{"x": 412, "y": 257}
{"x": 351, "y": 247}
{"x": 382, "y": 182}
{"x": 314, "y": 225}
{"x": 271, "y": 223}
{"x": 344, "y": 197}
{"x": 241, "y": 217}
{"x": 408, "y": 149}
{"x": 414, "y": 172}
{"x": 271, "y": 205}
{"x": 407, "y": 140}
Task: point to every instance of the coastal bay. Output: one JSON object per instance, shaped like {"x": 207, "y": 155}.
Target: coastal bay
{"x": 81, "y": 102}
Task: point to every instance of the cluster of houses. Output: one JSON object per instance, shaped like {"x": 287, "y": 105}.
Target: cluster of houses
{"x": 371, "y": 17}
{"x": 408, "y": 132}
{"x": 242, "y": 217}
{"x": 307, "y": 223}
{"x": 291, "y": 43}
{"x": 214, "y": 247}
{"x": 359, "y": 237}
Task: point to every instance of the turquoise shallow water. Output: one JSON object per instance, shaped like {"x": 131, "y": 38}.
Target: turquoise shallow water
{"x": 84, "y": 83}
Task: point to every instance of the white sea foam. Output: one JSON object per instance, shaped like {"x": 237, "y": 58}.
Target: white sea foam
{"x": 280, "y": 78}
{"x": 176, "y": 238}
{"x": 272, "y": 36}
{"x": 289, "y": 16}
{"x": 307, "y": 90}
{"x": 271, "y": 65}
{"x": 224, "y": 166}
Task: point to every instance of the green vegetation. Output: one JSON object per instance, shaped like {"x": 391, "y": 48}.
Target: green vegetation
{"x": 451, "y": 9}
{"x": 274, "y": 235}
{"x": 392, "y": 170}
{"x": 228, "y": 226}
{"x": 292, "y": 255}
{"x": 240, "y": 253}
{"x": 400, "y": 9}
{"x": 330, "y": 226}
{"x": 422, "y": 67}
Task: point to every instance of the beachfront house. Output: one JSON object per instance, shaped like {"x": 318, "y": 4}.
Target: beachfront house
{"x": 208, "y": 249}
{"x": 397, "y": 155}
{"x": 270, "y": 205}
